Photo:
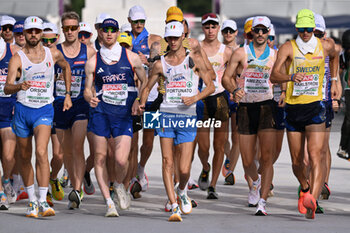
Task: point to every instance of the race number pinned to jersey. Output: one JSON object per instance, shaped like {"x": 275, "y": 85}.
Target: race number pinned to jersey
{"x": 308, "y": 86}
{"x": 115, "y": 94}
{"x": 75, "y": 87}
{"x": 2, "y": 85}
{"x": 176, "y": 90}
{"x": 39, "y": 92}
{"x": 256, "y": 82}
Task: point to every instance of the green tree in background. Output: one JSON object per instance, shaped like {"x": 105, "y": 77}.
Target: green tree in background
{"x": 76, "y": 5}
{"x": 197, "y": 7}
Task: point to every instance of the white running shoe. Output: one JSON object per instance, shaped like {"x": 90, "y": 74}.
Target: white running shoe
{"x": 4, "y": 205}
{"x": 260, "y": 210}
{"x": 123, "y": 198}
{"x": 111, "y": 211}
{"x": 254, "y": 194}
{"x": 144, "y": 182}
{"x": 175, "y": 215}
{"x": 45, "y": 210}
{"x": 10, "y": 192}
{"x": 33, "y": 210}
{"x": 184, "y": 202}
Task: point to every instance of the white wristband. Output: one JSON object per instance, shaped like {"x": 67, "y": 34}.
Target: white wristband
{"x": 334, "y": 79}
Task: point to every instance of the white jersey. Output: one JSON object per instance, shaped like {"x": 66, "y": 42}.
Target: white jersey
{"x": 180, "y": 81}
{"x": 219, "y": 66}
{"x": 41, "y": 78}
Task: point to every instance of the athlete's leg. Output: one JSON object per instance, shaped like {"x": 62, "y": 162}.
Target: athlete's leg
{"x": 327, "y": 153}
{"x": 121, "y": 149}
{"x": 279, "y": 140}
{"x": 42, "y": 136}
{"x": 110, "y": 161}
{"x": 100, "y": 152}
{"x": 234, "y": 153}
{"x": 8, "y": 139}
{"x": 90, "y": 159}
{"x": 57, "y": 157}
{"x": 25, "y": 153}
{"x": 185, "y": 151}
{"x": 247, "y": 145}
{"x": 203, "y": 136}
{"x": 132, "y": 168}
{"x": 166, "y": 145}
{"x": 66, "y": 141}
{"x": 147, "y": 146}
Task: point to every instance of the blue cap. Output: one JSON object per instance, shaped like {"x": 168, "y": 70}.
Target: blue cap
{"x": 110, "y": 23}
{"x": 18, "y": 27}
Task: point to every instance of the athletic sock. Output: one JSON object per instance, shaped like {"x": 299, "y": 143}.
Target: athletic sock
{"x": 31, "y": 193}
{"x": 43, "y": 193}
{"x": 109, "y": 201}
{"x": 140, "y": 171}
{"x": 174, "y": 205}
{"x": 181, "y": 192}
{"x": 255, "y": 183}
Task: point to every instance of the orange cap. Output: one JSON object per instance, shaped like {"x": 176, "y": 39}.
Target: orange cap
{"x": 174, "y": 14}
{"x": 248, "y": 25}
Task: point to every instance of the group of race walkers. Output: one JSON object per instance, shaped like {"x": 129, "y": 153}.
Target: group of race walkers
{"x": 99, "y": 90}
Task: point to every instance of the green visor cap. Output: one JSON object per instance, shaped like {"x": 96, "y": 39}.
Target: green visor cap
{"x": 305, "y": 19}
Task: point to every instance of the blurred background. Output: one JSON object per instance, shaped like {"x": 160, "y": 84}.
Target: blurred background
{"x": 281, "y": 12}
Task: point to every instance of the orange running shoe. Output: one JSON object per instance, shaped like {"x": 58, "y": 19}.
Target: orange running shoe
{"x": 309, "y": 203}
{"x": 301, "y": 207}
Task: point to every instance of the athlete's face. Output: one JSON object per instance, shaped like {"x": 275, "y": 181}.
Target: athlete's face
{"x": 19, "y": 39}
{"x": 211, "y": 31}
{"x": 305, "y": 33}
{"x": 109, "y": 36}
{"x": 70, "y": 28}
{"x": 175, "y": 43}
{"x": 229, "y": 35}
{"x": 7, "y": 32}
{"x": 320, "y": 34}
{"x": 49, "y": 39}
{"x": 137, "y": 26}
{"x": 33, "y": 36}
{"x": 260, "y": 34}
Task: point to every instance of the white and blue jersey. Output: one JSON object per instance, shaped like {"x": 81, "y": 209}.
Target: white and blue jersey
{"x": 7, "y": 102}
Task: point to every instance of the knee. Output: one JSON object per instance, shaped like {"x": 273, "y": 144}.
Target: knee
{"x": 167, "y": 164}
{"x": 122, "y": 162}
{"x": 100, "y": 160}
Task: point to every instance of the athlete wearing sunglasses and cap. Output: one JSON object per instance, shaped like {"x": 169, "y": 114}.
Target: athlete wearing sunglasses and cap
{"x": 85, "y": 33}
{"x": 50, "y": 35}
{"x": 7, "y": 23}
{"x": 305, "y": 111}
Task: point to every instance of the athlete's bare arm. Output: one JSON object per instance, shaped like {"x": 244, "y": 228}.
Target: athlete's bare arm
{"x": 283, "y": 54}
{"x": 227, "y": 54}
{"x": 90, "y": 52}
{"x": 14, "y": 71}
{"x": 58, "y": 59}
{"x": 15, "y": 49}
{"x": 141, "y": 75}
{"x": 89, "y": 80}
{"x": 201, "y": 70}
{"x": 329, "y": 49}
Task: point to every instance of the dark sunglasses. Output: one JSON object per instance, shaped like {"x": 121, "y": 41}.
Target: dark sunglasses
{"x": 35, "y": 30}
{"x": 110, "y": 29}
{"x": 141, "y": 21}
{"x": 319, "y": 35}
{"x": 257, "y": 30}
{"x": 271, "y": 38}
{"x": 9, "y": 26}
{"x": 49, "y": 40}
{"x": 301, "y": 30}
{"x": 86, "y": 35}
{"x": 228, "y": 30}
{"x": 18, "y": 33}
{"x": 72, "y": 28}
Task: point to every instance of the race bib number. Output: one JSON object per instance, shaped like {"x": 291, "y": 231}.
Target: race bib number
{"x": 256, "y": 82}
{"x": 2, "y": 85}
{"x": 308, "y": 86}
{"x": 115, "y": 94}
{"x": 75, "y": 87}
{"x": 176, "y": 90}
{"x": 39, "y": 92}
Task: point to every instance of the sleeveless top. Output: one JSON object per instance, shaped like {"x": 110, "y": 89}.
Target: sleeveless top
{"x": 313, "y": 65}
{"x": 3, "y": 76}
{"x": 41, "y": 78}
{"x": 115, "y": 86}
{"x": 180, "y": 81}
{"x": 77, "y": 66}
{"x": 219, "y": 66}
{"x": 255, "y": 76}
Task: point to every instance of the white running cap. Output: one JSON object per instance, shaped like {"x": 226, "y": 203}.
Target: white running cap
{"x": 50, "y": 26}
{"x": 261, "y": 20}
{"x": 229, "y": 24}
{"x": 85, "y": 27}
{"x": 272, "y": 30}
{"x": 101, "y": 17}
{"x": 320, "y": 23}
{"x": 126, "y": 27}
{"x": 33, "y": 22}
{"x": 174, "y": 28}
{"x": 5, "y": 20}
{"x": 137, "y": 12}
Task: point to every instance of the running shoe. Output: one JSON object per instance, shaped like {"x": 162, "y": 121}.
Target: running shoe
{"x": 184, "y": 202}
{"x": 57, "y": 190}
{"x": 194, "y": 203}
{"x": 325, "y": 192}
{"x": 123, "y": 198}
{"x": 81, "y": 194}
{"x": 4, "y": 205}
{"x": 203, "y": 180}
{"x": 45, "y": 210}
{"x": 74, "y": 199}
{"x": 135, "y": 189}
{"x": 319, "y": 209}
{"x": 225, "y": 167}
{"x": 167, "y": 207}
{"x": 260, "y": 210}
{"x": 212, "y": 194}
{"x": 192, "y": 184}
{"x": 309, "y": 203}
{"x": 64, "y": 179}
{"x": 49, "y": 199}
{"x": 271, "y": 192}
{"x": 301, "y": 207}
{"x": 89, "y": 187}
{"x": 111, "y": 190}
{"x": 343, "y": 154}
{"x": 10, "y": 192}
{"x": 175, "y": 215}
{"x": 254, "y": 194}
{"x": 111, "y": 211}
{"x": 144, "y": 182}
{"x": 33, "y": 210}
{"x": 22, "y": 194}
{"x": 229, "y": 178}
